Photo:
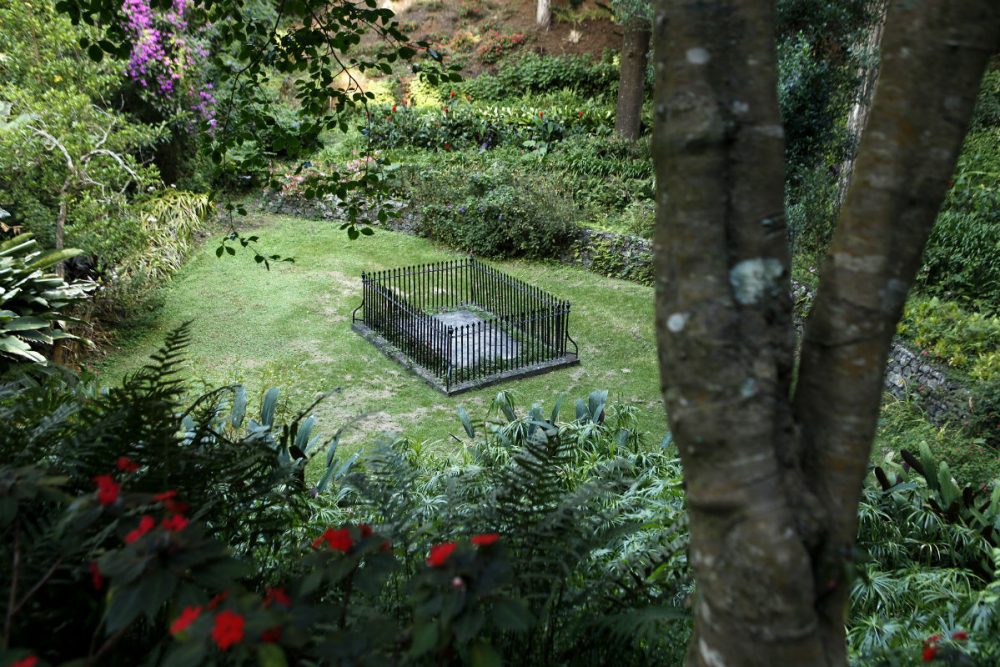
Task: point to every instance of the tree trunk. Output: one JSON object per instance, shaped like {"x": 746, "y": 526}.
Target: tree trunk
{"x": 868, "y": 76}
{"x": 60, "y": 231}
{"x": 632, "y": 78}
{"x": 543, "y": 14}
{"x": 773, "y": 480}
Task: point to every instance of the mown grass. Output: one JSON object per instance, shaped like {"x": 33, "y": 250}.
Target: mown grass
{"x": 290, "y": 327}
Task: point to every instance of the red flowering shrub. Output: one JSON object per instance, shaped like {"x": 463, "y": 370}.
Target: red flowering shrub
{"x": 227, "y": 629}
{"x": 174, "y": 523}
{"x": 184, "y": 621}
{"x": 95, "y": 576}
{"x": 495, "y": 45}
{"x": 126, "y": 465}
{"x": 440, "y": 553}
{"x": 146, "y": 524}
{"x": 107, "y": 489}
{"x": 336, "y": 540}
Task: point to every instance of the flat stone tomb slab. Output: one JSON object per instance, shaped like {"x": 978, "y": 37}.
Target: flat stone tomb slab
{"x": 471, "y": 347}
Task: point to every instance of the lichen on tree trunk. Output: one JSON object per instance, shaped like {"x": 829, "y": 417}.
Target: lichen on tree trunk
{"x": 773, "y": 472}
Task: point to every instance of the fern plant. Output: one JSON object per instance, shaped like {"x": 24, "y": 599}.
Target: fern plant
{"x": 590, "y": 514}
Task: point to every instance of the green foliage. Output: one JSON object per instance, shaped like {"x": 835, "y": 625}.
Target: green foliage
{"x": 590, "y": 514}
{"x": 607, "y": 174}
{"x": 169, "y": 221}
{"x": 490, "y": 213}
{"x": 242, "y": 479}
{"x": 459, "y": 125}
{"x": 962, "y": 259}
{"x": 60, "y": 142}
{"x": 34, "y": 303}
{"x": 965, "y": 446}
{"x": 496, "y": 45}
{"x": 926, "y": 584}
{"x": 552, "y": 539}
{"x": 944, "y": 331}
{"x": 532, "y": 74}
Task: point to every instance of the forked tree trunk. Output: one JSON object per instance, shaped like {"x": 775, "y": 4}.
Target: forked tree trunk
{"x": 857, "y": 118}
{"x": 632, "y": 78}
{"x": 543, "y": 14}
{"x": 773, "y": 480}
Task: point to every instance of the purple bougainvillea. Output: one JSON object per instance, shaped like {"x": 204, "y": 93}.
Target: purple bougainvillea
{"x": 163, "y": 57}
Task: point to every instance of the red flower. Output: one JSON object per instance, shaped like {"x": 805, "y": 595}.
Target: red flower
{"x": 184, "y": 621}
{"x": 338, "y": 540}
{"x": 277, "y": 596}
{"x": 164, "y": 497}
{"x": 146, "y": 524}
{"x": 447, "y": 146}
{"x": 485, "y": 539}
{"x": 29, "y": 661}
{"x": 107, "y": 489}
{"x": 175, "y": 523}
{"x": 95, "y": 576}
{"x": 366, "y": 530}
{"x": 440, "y": 553}
{"x": 228, "y": 629}
{"x": 218, "y": 599}
{"x": 580, "y": 115}
{"x": 930, "y": 652}
{"x": 125, "y": 464}
{"x": 386, "y": 547}
{"x": 394, "y": 108}
{"x": 452, "y": 94}
{"x": 541, "y": 114}
{"x": 271, "y": 635}
{"x": 960, "y": 635}
{"x": 446, "y": 109}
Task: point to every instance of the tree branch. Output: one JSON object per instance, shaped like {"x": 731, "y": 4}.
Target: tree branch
{"x": 907, "y": 154}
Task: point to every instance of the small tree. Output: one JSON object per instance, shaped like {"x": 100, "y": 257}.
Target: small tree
{"x": 543, "y": 14}
{"x": 634, "y": 15}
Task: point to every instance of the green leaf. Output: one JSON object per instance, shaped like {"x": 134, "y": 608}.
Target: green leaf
{"x": 484, "y": 655}
{"x": 511, "y": 615}
{"x": 425, "y": 638}
{"x": 54, "y": 257}
{"x": 271, "y": 655}
{"x": 470, "y": 430}
{"x": 184, "y": 654}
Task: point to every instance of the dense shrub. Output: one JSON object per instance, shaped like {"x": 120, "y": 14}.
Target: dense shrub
{"x": 458, "y": 125}
{"x": 533, "y": 73}
{"x": 928, "y": 583}
{"x": 489, "y": 212}
{"x": 967, "y": 341}
{"x": 34, "y": 303}
{"x": 151, "y": 532}
{"x": 607, "y": 174}
{"x": 962, "y": 259}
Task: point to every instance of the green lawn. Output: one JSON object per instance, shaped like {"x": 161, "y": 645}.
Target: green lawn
{"x": 291, "y": 328}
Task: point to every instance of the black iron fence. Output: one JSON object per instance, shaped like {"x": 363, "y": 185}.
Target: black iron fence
{"x": 464, "y": 322}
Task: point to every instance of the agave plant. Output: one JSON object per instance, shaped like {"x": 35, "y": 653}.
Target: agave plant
{"x": 33, "y": 301}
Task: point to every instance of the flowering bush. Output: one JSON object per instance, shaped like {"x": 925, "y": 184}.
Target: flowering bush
{"x": 124, "y": 552}
{"x": 495, "y": 45}
{"x": 164, "y": 56}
